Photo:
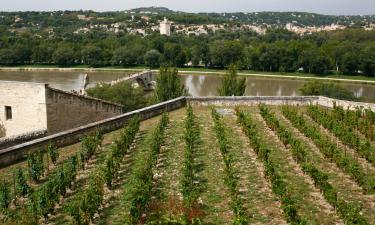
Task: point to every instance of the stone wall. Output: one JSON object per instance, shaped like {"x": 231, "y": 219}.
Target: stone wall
{"x": 17, "y": 153}
{"x": 6, "y": 142}
{"x": 328, "y": 102}
{"x": 252, "y": 100}
{"x": 66, "y": 110}
{"x": 27, "y": 101}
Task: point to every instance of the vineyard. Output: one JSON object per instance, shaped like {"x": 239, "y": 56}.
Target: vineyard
{"x": 205, "y": 165}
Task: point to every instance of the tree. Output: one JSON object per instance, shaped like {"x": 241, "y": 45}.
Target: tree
{"x": 225, "y": 53}
{"x": 123, "y": 57}
{"x": 168, "y": 85}
{"x": 64, "y": 56}
{"x": 349, "y": 63}
{"x": 152, "y": 58}
{"x": 231, "y": 86}
{"x": 92, "y": 55}
{"x": 122, "y": 93}
{"x": 42, "y": 54}
{"x": 332, "y": 90}
{"x": 367, "y": 59}
{"x": 174, "y": 55}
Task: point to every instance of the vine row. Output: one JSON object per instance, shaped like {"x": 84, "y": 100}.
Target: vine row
{"x": 331, "y": 150}
{"x": 87, "y": 202}
{"x": 230, "y": 179}
{"x": 190, "y": 189}
{"x": 141, "y": 182}
{"x": 347, "y": 134}
{"x": 279, "y": 186}
{"x": 348, "y": 211}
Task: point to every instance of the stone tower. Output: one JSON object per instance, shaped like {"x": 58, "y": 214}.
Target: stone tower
{"x": 165, "y": 27}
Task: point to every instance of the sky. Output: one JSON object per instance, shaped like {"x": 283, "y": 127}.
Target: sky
{"x": 333, "y": 7}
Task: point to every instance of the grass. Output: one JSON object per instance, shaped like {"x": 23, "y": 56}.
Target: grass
{"x": 261, "y": 204}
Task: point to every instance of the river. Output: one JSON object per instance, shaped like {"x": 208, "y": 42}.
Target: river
{"x": 197, "y": 85}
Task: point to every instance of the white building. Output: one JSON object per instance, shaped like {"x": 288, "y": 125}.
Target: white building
{"x": 165, "y": 27}
{"x": 27, "y": 107}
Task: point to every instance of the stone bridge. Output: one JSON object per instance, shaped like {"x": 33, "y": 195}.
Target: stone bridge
{"x": 144, "y": 79}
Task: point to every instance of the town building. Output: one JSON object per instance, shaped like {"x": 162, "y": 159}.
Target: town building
{"x": 27, "y": 107}
{"x": 165, "y": 27}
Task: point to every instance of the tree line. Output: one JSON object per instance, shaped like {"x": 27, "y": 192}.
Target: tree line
{"x": 350, "y": 51}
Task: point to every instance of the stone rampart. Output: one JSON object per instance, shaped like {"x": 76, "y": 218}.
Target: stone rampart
{"x": 6, "y": 142}
{"x": 17, "y": 153}
{"x": 67, "y": 110}
{"x": 252, "y": 100}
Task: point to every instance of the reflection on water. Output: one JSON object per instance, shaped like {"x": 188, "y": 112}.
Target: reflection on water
{"x": 61, "y": 80}
{"x": 207, "y": 86}
{"x": 197, "y": 85}
{"x": 256, "y": 86}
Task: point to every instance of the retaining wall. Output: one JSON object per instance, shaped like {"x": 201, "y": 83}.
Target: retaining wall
{"x": 252, "y": 100}
{"x": 16, "y": 153}
{"x": 19, "y": 152}
{"x": 6, "y": 142}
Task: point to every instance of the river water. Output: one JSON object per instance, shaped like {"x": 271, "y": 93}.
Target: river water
{"x": 197, "y": 85}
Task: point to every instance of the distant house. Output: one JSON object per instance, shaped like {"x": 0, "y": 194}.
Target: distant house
{"x": 28, "y": 107}
{"x": 165, "y": 27}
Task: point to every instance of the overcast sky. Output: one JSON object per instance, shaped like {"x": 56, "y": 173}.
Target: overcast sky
{"x": 320, "y": 6}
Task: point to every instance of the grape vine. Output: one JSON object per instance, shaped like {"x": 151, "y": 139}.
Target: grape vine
{"x": 343, "y": 131}
{"x": 350, "y": 212}
{"x": 279, "y": 186}
{"x": 231, "y": 178}
{"x": 331, "y": 150}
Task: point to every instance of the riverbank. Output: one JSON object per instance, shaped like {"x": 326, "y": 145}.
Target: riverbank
{"x": 203, "y": 71}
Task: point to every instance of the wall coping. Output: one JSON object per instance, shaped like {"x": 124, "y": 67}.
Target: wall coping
{"x": 85, "y": 97}
{"x": 87, "y": 127}
{"x": 248, "y": 98}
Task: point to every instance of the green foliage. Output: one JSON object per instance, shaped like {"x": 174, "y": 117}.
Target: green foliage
{"x": 122, "y": 93}
{"x": 231, "y": 85}
{"x": 119, "y": 149}
{"x": 298, "y": 148}
{"x": 331, "y": 151}
{"x": 231, "y": 178}
{"x": 5, "y": 198}
{"x": 87, "y": 202}
{"x": 53, "y": 153}
{"x": 21, "y": 183}
{"x": 64, "y": 56}
{"x": 42, "y": 200}
{"x": 168, "y": 85}
{"x": 190, "y": 189}
{"x": 92, "y": 55}
{"x": 331, "y": 90}
{"x": 140, "y": 183}
{"x": 152, "y": 58}
{"x": 32, "y": 41}
{"x": 346, "y": 132}
{"x": 35, "y": 165}
{"x": 279, "y": 186}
